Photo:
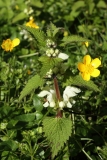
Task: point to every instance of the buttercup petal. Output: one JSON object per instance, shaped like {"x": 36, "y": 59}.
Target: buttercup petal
{"x": 96, "y": 63}
{"x": 81, "y": 67}
{"x": 15, "y": 42}
{"x": 86, "y": 76}
{"x": 86, "y": 43}
{"x": 87, "y": 59}
{"x": 95, "y": 73}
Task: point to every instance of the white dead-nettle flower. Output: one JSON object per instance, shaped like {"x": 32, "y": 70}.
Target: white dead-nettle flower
{"x": 28, "y": 11}
{"x": 68, "y": 93}
{"x": 56, "y": 53}
{"x": 50, "y": 100}
{"x": 24, "y": 33}
{"x": 63, "y": 56}
{"x": 49, "y": 73}
{"x": 50, "y": 43}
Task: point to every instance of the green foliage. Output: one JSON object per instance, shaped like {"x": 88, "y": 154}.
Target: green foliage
{"x": 63, "y": 25}
{"x": 48, "y": 63}
{"x": 73, "y": 38}
{"x": 26, "y": 117}
{"x": 52, "y": 30}
{"x": 78, "y": 81}
{"x": 19, "y": 17}
{"x": 32, "y": 84}
{"x": 37, "y": 34}
{"x": 57, "y": 130}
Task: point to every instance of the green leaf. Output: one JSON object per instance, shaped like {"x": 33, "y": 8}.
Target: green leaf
{"x": 57, "y": 131}
{"x": 13, "y": 145}
{"x": 19, "y": 17}
{"x": 101, "y": 4}
{"x": 37, "y": 103}
{"x": 73, "y": 38}
{"x": 78, "y": 81}
{"x": 33, "y": 83}
{"x": 52, "y": 30}
{"x": 26, "y": 117}
{"x": 37, "y": 4}
{"x": 37, "y": 34}
{"x": 77, "y": 5}
{"x": 48, "y": 63}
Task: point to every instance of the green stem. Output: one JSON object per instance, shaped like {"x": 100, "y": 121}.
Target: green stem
{"x": 83, "y": 150}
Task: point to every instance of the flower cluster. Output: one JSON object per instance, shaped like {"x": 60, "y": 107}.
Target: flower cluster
{"x": 50, "y": 43}
{"x": 31, "y": 23}
{"x": 52, "y": 51}
{"x": 9, "y": 44}
{"x": 28, "y": 11}
{"x": 67, "y": 101}
{"x": 56, "y": 53}
{"x": 49, "y": 73}
{"x": 89, "y": 68}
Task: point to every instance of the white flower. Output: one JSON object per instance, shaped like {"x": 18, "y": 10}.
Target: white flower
{"x": 68, "y": 93}
{"x": 49, "y": 73}
{"x": 61, "y": 104}
{"x": 63, "y": 56}
{"x": 50, "y": 97}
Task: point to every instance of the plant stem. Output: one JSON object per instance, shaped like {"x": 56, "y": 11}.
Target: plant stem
{"x": 57, "y": 89}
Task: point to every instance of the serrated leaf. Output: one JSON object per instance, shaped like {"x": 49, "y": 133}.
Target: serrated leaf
{"x": 33, "y": 83}
{"x": 37, "y": 34}
{"x": 48, "y": 63}
{"x": 52, "y": 30}
{"x": 57, "y": 130}
{"x": 78, "y": 81}
{"x": 73, "y": 38}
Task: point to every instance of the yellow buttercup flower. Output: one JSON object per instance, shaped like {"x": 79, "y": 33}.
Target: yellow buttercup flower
{"x": 89, "y": 67}
{"x": 86, "y": 43}
{"x": 9, "y": 44}
{"x": 31, "y": 23}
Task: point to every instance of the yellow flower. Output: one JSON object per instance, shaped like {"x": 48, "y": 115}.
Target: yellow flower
{"x": 88, "y": 67}
{"x": 31, "y": 23}
{"x": 9, "y": 44}
{"x": 65, "y": 33}
{"x": 86, "y": 43}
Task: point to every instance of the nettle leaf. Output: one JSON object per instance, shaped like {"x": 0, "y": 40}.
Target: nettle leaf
{"x": 73, "y": 38}
{"x": 37, "y": 34}
{"x": 52, "y": 30}
{"x": 57, "y": 130}
{"x": 33, "y": 83}
{"x": 48, "y": 63}
{"x": 78, "y": 81}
